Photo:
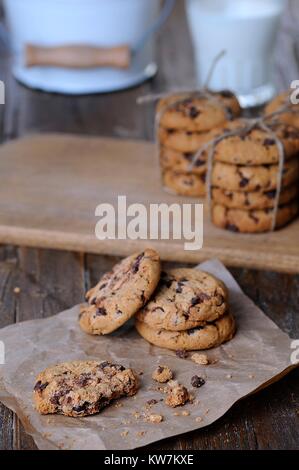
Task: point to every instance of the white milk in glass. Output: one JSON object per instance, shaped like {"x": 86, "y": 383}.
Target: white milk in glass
{"x": 246, "y": 30}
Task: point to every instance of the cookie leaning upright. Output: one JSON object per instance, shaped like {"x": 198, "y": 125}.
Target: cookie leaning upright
{"x": 120, "y": 293}
{"x": 186, "y": 123}
{"x": 249, "y": 193}
{"x": 189, "y": 310}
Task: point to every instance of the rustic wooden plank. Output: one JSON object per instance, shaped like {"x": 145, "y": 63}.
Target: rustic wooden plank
{"x": 31, "y": 111}
{"x": 60, "y": 179}
{"x": 275, "y": 415}
{"x": 276, "y": 294}
{"x": 7, "y": 316}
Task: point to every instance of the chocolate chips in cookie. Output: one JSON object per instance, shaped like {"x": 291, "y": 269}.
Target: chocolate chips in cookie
{"x": 82, "y": 388}
{"x": 120, "y": 293}
{"x": 185, "y": 298}
{"x": 187, "y": 122}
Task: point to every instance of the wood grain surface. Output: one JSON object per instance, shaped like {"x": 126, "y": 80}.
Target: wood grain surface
{"x": 51, "y": 185}
{"x": 54, "y": 280}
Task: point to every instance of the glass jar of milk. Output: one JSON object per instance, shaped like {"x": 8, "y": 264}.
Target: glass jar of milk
{"x": 246, "y": 30}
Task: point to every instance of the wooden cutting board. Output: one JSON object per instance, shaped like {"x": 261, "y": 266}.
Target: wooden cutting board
{"x": 50, "y": 186}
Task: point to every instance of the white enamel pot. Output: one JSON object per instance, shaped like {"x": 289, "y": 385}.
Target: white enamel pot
{"x": 51, "y": 25}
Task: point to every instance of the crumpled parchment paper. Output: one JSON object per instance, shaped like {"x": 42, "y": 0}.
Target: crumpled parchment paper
{"x": 258, "y": 355}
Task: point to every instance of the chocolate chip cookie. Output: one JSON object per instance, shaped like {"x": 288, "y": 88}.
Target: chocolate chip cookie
{"x": 205, "y": 337}
{"x": 253, "y": 178}
{"x": 256, "y": 147}
{"x": 253, "y": 221}
{"x": 120, "y": 293}
{"x": 288, "y": 117}
{"x": 255, "y": 199}
{"x": 82, "y": 388}
{"x": 181, "y": 162}
{"x": 185, "y": 184}
{"x": 198, "y": 113}
{"x": 183, "y": 140}
{"x": 185, "y": 298}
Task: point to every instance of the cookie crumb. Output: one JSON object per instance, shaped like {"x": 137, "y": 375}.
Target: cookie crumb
{"x": 207, "y": 411}
{"x": 229, "y": 376}
{"x": 177, "y": 394}
{"x": 185, "y": 413}
{"x": 162, "y": 374}
{"x": 136, "y": 414}
{"x": 182, "y": 353}
{"x": 154, "y": 418}
{"x": 140, "y": 433}
{"x": 198, "y": 419}
{"x": 251, "y": 376}
{"x": 118, "y": 405}
{"x": 197, "y": 381}
{"x": 201, "y": 359}
{"x": 17, "y": 290}
{"x": 124, "y": 433}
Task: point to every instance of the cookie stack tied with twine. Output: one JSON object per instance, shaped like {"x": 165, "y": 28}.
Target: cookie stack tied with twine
{"x": 184, "y": 122}
{"x": 189, "y": 311}
{"x": 253, "y": 173}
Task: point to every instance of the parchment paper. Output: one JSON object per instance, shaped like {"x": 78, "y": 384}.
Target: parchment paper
{"x": 258, "y": 355}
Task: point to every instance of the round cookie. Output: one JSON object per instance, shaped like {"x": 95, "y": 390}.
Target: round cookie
{"x": 185, "y": 184}
{"x": 181, "y": 162}
{"x": 253, "y": 178}
{"x": 255, "y": 221}
{"x": 120, "y": 293}
{"x": 185, "y": 141}
{"x": 185, "y": 298}
{"x": 289, "y": 117}
{"x": 256, "y": 147}
{"x": 198, "y": 113}
{"x": 255, "y": 199}
{"x": 82, "y": 388}
{"x": 205, "y": 337}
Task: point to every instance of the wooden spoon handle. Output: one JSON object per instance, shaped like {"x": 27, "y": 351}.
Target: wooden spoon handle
{"x": 77, "y": 56}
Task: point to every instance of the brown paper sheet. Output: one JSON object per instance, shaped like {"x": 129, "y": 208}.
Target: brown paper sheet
{"x": 258, "y": 355}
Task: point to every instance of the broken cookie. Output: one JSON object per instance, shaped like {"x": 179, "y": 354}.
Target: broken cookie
{"x": 162, "y": 374}
{"x": 82, "y": 388}
{"x": 177, "y": 394}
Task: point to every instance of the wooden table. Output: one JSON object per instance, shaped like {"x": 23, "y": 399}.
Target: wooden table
{"x": 51, "y": 281}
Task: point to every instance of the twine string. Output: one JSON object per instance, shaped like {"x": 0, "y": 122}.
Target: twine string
{"x": 249, "y": 124}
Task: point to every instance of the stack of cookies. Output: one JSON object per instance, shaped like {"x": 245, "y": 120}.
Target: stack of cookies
{"x": 245, "y": 177}
{"x": 185, "y": 123}
{"x": 181, "y": 309}
{"x": 189, "y": 311}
